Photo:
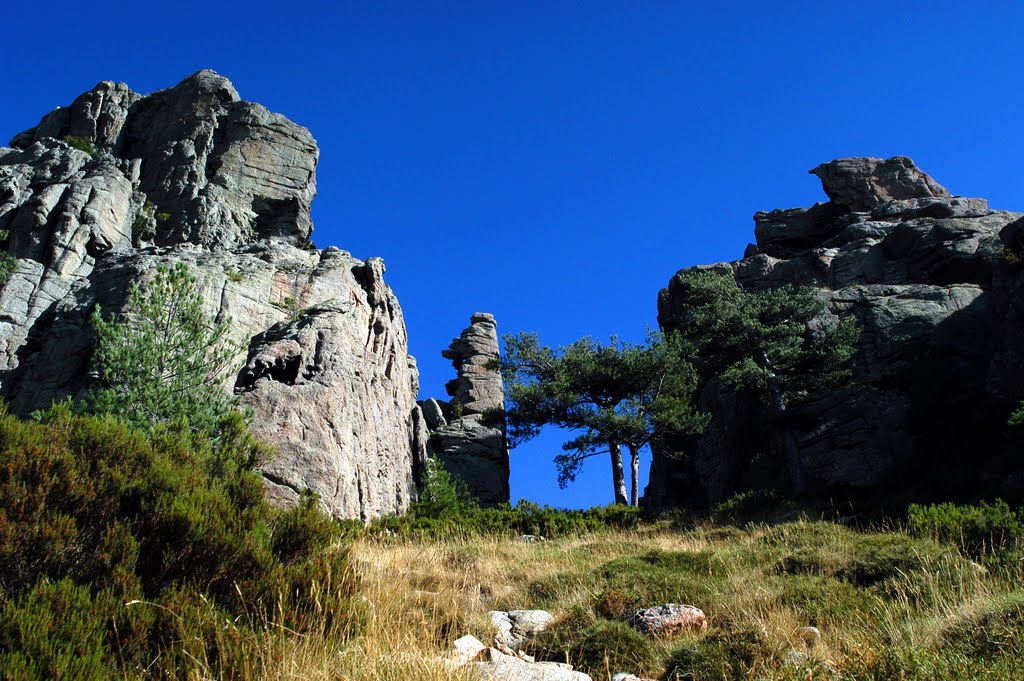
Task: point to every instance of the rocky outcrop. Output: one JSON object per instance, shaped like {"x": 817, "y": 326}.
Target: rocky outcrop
{"x": 467, "y": 433}
{"x": 934, "y": 282}
{"x": 103, "y": 191}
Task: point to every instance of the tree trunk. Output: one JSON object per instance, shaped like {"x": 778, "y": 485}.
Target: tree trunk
{"x": 786, "y": 439}
{"x": 618, "y": 475}
{"x": 634, "y": 498}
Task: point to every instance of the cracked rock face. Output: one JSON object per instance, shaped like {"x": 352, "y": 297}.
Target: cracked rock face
{"x": 935, "y": 284}
{"x": 468, "y": 433}
{"x": 195, "y": 174}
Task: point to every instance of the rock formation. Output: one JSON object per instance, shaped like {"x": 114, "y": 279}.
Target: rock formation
{"x": 467, "y": 433}
{"x": 934, "y": 282}
{"x": 102, "y": 191}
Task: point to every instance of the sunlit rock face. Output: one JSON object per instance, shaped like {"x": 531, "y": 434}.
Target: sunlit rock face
{"x": 934, "y": 281}
{"x": 467, "y": 432}
{"x": 104, "y": 190}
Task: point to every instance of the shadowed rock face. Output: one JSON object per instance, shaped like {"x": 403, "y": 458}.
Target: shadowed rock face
{"x": 934, "y": 282}
{"x": 468, "y": 433}
{"x": 195, "y": 174}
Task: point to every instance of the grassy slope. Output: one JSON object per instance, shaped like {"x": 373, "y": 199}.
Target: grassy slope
{"x": 887, "y": 605}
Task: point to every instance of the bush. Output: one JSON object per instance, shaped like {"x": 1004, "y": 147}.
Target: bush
{"x": 441, "y": 495}
{"x": 81, "y": 144}
{"x": 830, "y": 550}
{"x": 657, "y": 577}
{"x": 8, "y": 265}
{"x": 719, "y": 656}
{"x": 824, "y": 601}
{"x": 143, "y": 224}
{"x": 119, "y": 547}
{"x": 597, "y": 647}
{"x": 881, "y": 557}
{"x": 429, "y": 518}
{"x": 978, "y": 531}
{"x": 754, "y": 505}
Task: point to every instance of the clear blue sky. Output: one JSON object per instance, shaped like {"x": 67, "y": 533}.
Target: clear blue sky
{"x": 554, "y": 163}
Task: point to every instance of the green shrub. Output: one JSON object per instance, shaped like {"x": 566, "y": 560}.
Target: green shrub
{"x": 718, "y": 656}
{"x": 754, "y": 505}
{"x": 884, "y": 556}
{"x": 142, "y": 225}
{"x": 977, "y": 530}
{"x": 555, "y": 642}
{"x": 822, "y": 601}
{"x": 81, "y": 144}
{"x": 654, "y": 578}
{"x": 830, "y": 550}
{"x": 428, "y": 519}
{"x": 119, "y": 547}
{"x": 548, "y": 590}
{"x": 597, "y": 647}
{"x": 441, "y": 495}
{"x": 8, "y": 265}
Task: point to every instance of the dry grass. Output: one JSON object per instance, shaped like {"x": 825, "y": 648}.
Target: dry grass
{"x": 418, "y": 595}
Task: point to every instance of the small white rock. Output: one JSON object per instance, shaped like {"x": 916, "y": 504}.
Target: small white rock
{"x": 811, "y": 636}
{"x": 467, "y": 648}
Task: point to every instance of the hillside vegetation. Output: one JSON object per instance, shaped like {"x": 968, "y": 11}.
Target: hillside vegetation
{"x": 127, "y": 554}
{"x": 888, "y": 604}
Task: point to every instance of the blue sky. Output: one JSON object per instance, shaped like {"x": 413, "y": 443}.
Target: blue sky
{"x": 551, "y": 162}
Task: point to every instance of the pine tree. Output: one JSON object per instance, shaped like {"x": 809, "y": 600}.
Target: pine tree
{"x": 612, "y": 395}
{"x": 767, "y": 345}
{"x": 164, "y": 359}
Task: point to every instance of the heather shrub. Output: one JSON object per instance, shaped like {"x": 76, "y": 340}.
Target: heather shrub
{"x": 596, "y": 646}
{"x": 81, "y": 144}
{"x": 720, "y": 656}
{"x": 436, "y": 518}
{"x": 119, "y": 548}
{"x": 979, "y": 530}
{"x": 654, "y": 578}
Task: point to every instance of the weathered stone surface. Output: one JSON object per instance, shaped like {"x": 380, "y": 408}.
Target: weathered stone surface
{"x": 478, "y": 387}
{"x": 222, "y": 171}
{"x": 669, "y": 619}
{"x": 935, "y": 284}
{"x": 326, "y": 392}
{"x": 811, "y": 636}
{"x": 781, "y": 233}
{"x": 193, "y": 174}
{"x": 433, "y": 413}
{"x": 862, "y": 184}
{"x": 469, "y": 435}
{"x": 513, "y": 628}
{"x": 507, "y": 668}
{"x": 467, "y": 648}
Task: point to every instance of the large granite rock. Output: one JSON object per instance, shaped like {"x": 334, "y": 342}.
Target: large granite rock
{"x": 193, "y": 174}
{"x": 467, "y": 433}
{"x": 934, "y": 282}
